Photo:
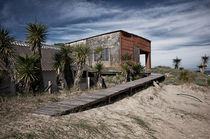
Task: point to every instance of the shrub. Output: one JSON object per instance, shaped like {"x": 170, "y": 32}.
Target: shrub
{"x": 138, "y": 69}
{"x": 184, "y": 76}
{"x": 208, "y": 81}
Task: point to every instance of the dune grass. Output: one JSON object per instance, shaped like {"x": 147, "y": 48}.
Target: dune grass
{"x": 177, "y": 77}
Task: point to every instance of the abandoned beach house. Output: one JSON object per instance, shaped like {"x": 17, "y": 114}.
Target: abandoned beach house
{"x": 116, "y": 44}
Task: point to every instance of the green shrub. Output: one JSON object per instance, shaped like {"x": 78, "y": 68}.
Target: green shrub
{"x": 208, "y": 81}
{"x": 53, "y": 99}
{"x": 137, "y": 70}
{"x": 184, "y": 76}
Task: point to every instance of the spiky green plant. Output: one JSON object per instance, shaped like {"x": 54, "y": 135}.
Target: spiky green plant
{"x": 205, "y": 60}
{"x": 137, "y": 70}
{"x": 126, "y": 57}
{"x": 36, "y": 35}
{"x": 6, "y": 49}
{"x": 81, "y": 53}
{"x": 62, "y": 63}
{"x": 99, "y": 67}
{"x": 98, "y": 51}
{"x": 27, "y": 70}
{"x": 176, "y": 62}
{"x": 126, "y": 66}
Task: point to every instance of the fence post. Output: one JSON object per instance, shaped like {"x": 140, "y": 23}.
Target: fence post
{"x": 50, "y": 87}
{"x": 88, "y": 79}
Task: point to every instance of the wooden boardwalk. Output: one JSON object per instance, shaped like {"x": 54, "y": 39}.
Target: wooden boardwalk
{"x": 90, "y": 99}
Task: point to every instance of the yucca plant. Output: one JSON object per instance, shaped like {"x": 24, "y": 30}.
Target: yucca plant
{"x": 62, "y": 63}
{"x": 81, "y": 52}
{"x": 98, "y": 52}
{"x": 205, "y": 61}
{"x": 176, "y": 62}
{"x": 137, "y": 70}
{"x": 36, "y": 35}
{"x": 208, "y": 81}
{"x": 99, "y": 67}
{"x": 27, "y": 70}
{"x": 6, "y": 49}
{"x": 126, "y": 66}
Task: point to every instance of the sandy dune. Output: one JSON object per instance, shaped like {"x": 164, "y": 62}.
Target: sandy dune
{"x": 157, "y": 112}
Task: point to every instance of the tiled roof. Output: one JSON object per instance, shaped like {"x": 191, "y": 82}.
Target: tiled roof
{"x": 48, "y": 52}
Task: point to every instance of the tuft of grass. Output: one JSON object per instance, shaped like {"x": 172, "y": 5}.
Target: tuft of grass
{"x": 208, "y": 81}
{"x": 177, "y": 77}
{"x": 184, "y": 76}
{"x": 144, "y": 125}
{"x": 53, "y": 99}
{"x": 127, "y": 127}
{"x": 140, "y": 122}
{"x": 17, "y": 135}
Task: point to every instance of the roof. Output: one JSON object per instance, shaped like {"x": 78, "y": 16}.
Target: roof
{"x": 109, "y": 33}
{"x": 48, "y": 51}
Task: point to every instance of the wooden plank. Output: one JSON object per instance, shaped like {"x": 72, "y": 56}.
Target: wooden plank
{"x": 91, "y": 98}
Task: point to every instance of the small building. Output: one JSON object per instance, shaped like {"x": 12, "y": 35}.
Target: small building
{"x": 47, "y": 61}
{"x": 116, "y": 44}
{"x": 48, "y": 70}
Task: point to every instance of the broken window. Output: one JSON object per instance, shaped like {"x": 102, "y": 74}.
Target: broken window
{"x": 104, "y": 55}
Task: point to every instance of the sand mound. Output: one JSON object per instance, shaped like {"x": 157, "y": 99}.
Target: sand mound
{"x": 157, "y": 112}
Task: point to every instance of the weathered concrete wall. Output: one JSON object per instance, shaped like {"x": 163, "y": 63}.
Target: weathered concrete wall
{"x": 110, "y": 41}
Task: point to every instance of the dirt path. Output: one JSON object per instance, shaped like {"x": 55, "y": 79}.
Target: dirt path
{"x": 157, "y": 112}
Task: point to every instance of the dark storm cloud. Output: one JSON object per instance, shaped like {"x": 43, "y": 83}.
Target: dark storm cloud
{"x": 172, "y": 25}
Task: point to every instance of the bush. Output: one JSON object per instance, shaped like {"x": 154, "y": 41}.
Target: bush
{"x": 208, "y": 81}
{"x": 184, "y": 76}
{"x": 137, "y": 70}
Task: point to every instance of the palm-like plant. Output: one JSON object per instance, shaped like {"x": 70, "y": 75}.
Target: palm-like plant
{"x": 27, "y": 70}
{"x": 205, "y": 60}
{"x": 80, "y": 54}
{"x": 36, "y": 35}
{"x": 201, "y": 68}
{"x": 126, "y": 57}
{"x": 137, "y": 70}
{"x": 62, "y": 63}
{"x": 98, "y": 52}
{"x": 126, "y": 66}
{"x": 6, "y": 49}
{"x": 99, "y": 67}
{"x": 176, "y": 62}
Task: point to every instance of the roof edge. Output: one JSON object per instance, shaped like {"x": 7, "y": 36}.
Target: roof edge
{"x": 108, "y": 33}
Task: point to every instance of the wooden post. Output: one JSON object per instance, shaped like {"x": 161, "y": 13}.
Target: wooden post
{"x": 88, "y": 82}
{"x": 50, "y": 87}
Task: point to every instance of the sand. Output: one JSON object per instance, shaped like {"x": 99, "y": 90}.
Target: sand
{"x": 156, "y": 112}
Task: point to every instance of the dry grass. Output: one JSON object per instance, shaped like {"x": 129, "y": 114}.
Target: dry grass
{"x": 178, "y": 77}
{"x": 137, "y": 116}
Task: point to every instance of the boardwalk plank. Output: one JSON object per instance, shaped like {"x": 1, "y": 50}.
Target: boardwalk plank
{"x": 91, "y": 98}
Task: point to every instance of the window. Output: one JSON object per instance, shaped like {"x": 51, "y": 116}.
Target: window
{"x": 104, "y": 55}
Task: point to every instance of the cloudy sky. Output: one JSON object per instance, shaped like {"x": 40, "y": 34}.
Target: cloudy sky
{"x": 176, "y": 27}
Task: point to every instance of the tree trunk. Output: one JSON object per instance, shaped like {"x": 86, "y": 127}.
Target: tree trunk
{"x": 68, "y": 75}
{"x": 78, "y": 77}
{"x": 27, "y": 86}
{"x": 100, "y": 83}
{"x": 40, "y": 76}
